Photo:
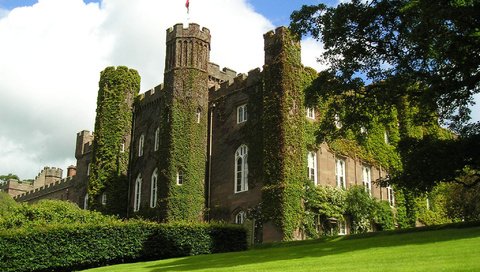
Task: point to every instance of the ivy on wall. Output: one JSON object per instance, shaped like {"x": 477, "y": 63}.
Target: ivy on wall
{"x": 284, "y": 144}
{"x": 118, "y": 87}
{"x": 187, "y": 142}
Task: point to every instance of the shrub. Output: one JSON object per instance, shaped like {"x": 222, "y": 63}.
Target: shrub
{"x": 78, "y": 246}
{"x": 384, "y": 217}
{"x": 46, "y": 212}
{"x": 361, "y": 208}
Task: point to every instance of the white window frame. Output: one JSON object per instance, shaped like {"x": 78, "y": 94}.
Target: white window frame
{"x": 240, "y": 218}
{"x": 337, "y": 121}
{"x": 137, "y": 197}
{"x": 141, "y": 143}
{"x": 85, "y": 202}
{"x": 390, "y": 196}
{"x": 157, "y": 139}
{"x": 89, "y": 168}
{"x": 198, "y": 115}
{"x": 241, "y": 170}
{"x": 340, "y": 176}
{"x": 310, "y": 113}
{"x": 122, "y": 147}
{"x": 386, "y": 137}
{"x": 104, "y": 198}
{"x": 180, "y": 177}
{"x": 312, "y": 166}
{"x": 154, "y": 189}
{"x": 367, "y": 179}
{"x": 342, "y": 226}
{"x": 242, "y": 115}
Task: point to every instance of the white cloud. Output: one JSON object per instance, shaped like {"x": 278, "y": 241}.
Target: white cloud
{"x": 311, "y": 51}
{"x": 53, "y": 51}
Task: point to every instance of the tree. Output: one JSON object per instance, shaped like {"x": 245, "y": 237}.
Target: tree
{"x": 433, "y": 44}
{"x": 9, "y": 176}
{"x": 424, "y": 54}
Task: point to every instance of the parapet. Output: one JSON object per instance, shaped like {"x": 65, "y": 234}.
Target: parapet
{"x": 217, "y": 76}
{"x": 149, "y": 96}
{"x": 276, "y": 41}
{"x": 84, "y": 143}
{"x": 240, "y": 82}
{"x": 192, "y": 30}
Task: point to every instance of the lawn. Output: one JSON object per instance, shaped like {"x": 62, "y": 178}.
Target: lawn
{"x": 438, "y": 250}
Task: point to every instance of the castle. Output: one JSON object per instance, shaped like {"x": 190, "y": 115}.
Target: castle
{"x": 211, "y": 144}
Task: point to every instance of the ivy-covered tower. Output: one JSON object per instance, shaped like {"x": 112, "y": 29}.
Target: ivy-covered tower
{"x": 107, "y": 174}
{"x": 284, "y": 152}
{"x": 186, "y": 98}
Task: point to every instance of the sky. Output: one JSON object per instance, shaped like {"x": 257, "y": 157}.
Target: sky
{"x": 52, "y": 52}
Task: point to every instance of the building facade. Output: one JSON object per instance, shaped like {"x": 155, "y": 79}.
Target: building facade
{"x": 211, "y": 144}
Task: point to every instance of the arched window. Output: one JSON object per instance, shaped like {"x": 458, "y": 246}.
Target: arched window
{"x": 367, "y": 179}
{"x": 153, "y": 189}
{"x": 340, "y": 173}
{"x": 180, "y": 177}
{"x": 241, "y": 169}
{"x": 141, "y": 142}
{"x": 138, "y": 193}
{"x": 240, "y": 217}
{"x": 157, "y": 139}
{"x": 198, "y": 115}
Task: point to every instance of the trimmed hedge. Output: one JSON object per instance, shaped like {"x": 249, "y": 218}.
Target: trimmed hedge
{"x": 75, "y": 246}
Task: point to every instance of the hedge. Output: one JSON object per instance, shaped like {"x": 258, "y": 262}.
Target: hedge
{"x": 75, "y": 247}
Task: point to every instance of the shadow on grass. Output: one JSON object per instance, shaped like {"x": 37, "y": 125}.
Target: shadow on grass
{"x": 312, "y": 248}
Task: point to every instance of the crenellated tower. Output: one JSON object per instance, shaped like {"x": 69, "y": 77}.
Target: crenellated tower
{"x": 186, "y": 98}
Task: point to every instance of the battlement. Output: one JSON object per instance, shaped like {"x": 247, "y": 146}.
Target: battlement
{"x": 241, "y": 81}
{"x": 43, "y": 190}
{"x": 149, "y": 97}
{"x": 84, "y": 143}
{"x": 191, "y": 31}
{"x": 275, "y": 43}
{"x": 217, "y": 76}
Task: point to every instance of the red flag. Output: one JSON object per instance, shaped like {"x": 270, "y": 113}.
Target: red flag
{"x": 187, "y": 5}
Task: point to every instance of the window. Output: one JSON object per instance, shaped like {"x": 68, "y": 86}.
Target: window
{"x": 241, "y": 113}
{"x": 141, "y": 141}
{"x": 198, "y": 115}
{"x": 157, "y": 139}
{"x": 104, "y": 199}
{"x": 138, "y": 193}
{"x": 340, "y": 173}
{"x": 85, "y": 202}
{"x": 122, "y": 147}
{"x": 240, "y": 217}
{"x": 342, "y": 227}
{"x": 241, "y": 169}
{"x": 336, "y": 121}
{"x": 180, "y": 177}
{"x": 311, "y": 113}
{"x": 312, "y": 167}
{"x": 386, "y": 137}
{"x": 89, "y": 168}
{"x": 367, "y": 179}
{"x": 390, "y": 196}
{"x": 153, "y": 189}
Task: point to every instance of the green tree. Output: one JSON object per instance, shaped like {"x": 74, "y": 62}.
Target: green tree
{"x": 9, "y": 176}
{"x": 423, "y": 54}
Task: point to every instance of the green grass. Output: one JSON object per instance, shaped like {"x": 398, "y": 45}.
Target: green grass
{"x": 435, "y": 250}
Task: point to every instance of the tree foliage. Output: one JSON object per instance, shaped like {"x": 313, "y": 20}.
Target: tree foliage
{"x": 9, "y": 176}
{"x": 421, "y": 58}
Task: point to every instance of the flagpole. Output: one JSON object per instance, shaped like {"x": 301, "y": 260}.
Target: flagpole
{"x": 187, "y": 5}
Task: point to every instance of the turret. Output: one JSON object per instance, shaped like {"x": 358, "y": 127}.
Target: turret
{"x": 185, "y": 122}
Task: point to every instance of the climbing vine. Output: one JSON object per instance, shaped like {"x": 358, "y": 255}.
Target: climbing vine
{"x": 108, "y": 174}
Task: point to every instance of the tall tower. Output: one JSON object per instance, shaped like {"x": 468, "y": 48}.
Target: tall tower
{"x": 186, "y": 87}
{"x": 108, "y": 184}
{"x": 283, "y": 123}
